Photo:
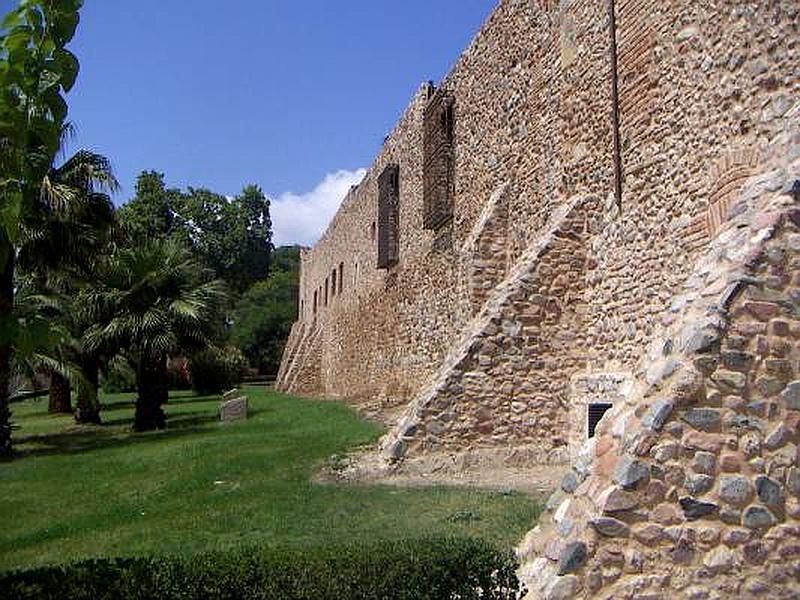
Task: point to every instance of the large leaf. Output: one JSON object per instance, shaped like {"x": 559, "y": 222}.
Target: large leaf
{"x": 69, "y": 68}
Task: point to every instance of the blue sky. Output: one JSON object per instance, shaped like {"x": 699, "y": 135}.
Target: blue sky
{"x": 293, "y": 96}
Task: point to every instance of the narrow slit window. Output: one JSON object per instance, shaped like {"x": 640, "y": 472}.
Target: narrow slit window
{"x": 326, "y": 291}
{"x": 388, "y": 217}
{"x": 596, "y": 412}
{"x": 341, "y": 277}
{"x": 333, "y": 283}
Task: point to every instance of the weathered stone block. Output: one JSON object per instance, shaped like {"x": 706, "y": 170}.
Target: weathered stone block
{"x": 666, "y": 514}
{"x": 730, "y": 463}
{"x": 769, "y": 386}
{"x": 658, "y": 414}
{"x": 630, "y": 473}
{"x": 777, "y": 437}
{"x": 735, "y": 489}
{"x": 793, "y": 481}
{"x": 758, "y": 517}
{"x": 705, "y": 462}
{"x": 562, "y": 588}
{"x": 698, "y": 484}
{"x": 570, "y": 482}
{"x": 694, "y": 509}
{"x": 791, "y": 395}
{"x": 769, "y": 491}
{"x": 720, "y": 559}
{"x": 572, "y": 558}
{"x": 233, "y": 410}
{"x": 649, "y": 534}
{"x": 615, "y": 500}
{"x": 699, "y": 440}
{"x": 706, "y": 419}
{"x": 731, "y": 381}
{"x": 610, "y": 527}
{"x": 737, "y": 361}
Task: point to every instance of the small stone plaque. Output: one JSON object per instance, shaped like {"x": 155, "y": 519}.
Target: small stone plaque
{"x": 233, "y": 410}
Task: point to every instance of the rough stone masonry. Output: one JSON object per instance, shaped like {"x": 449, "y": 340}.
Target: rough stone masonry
{"x": 581, "y": 248}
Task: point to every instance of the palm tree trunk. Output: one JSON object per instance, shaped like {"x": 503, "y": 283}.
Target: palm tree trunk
{"x": 151, "y": 384}
{"x": 60, "y": 400}
{"x": 6, "y": 348}
{"x": 88, "y": 408}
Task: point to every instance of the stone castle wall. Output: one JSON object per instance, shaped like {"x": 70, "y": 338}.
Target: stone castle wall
{"x": 702, "y": 88}
{"x": 691, "y": 487}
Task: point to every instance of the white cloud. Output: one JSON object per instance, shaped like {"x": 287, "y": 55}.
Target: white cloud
{"x": 302, "y": 218}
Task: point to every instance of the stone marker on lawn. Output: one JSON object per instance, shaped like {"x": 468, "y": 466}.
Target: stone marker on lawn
{"x": 233, "y": 408}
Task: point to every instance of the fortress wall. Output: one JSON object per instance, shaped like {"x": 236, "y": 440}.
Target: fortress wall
{"x": 702, "y": 88}
{"x": 390, "y": 329}
{"x": 691, "y": 487}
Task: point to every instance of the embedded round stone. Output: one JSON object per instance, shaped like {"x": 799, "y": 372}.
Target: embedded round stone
{"x": 570, "y": 482}
{"x": 610, "y": 527}
{"x": 769, "y": 491}
{"x": 695, "y": 509}
{"x": 735, "y": 489}
{"x": 658, "y": 414}
{"x": 699, "y": 484}
{"x": 730, "y": 380}
{"x": 758, "y": 517}
{"x": 791, "y": 395}
{"x": 563, "y": 588}
{"x": 777, "y": 437}
{"x": 705, "y": 419}
{"x": 793, "y": 481}
{"x": 618, "y": 500}
{"x": 631, "y": 472}
{"x": 572, "y": 558}
{"x": 705, "y": 462}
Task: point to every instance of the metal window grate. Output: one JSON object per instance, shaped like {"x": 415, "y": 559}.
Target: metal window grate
{"x": 439, "y": 158}
{"x": 596, "y": 412}
{"x": 388, "y": 217}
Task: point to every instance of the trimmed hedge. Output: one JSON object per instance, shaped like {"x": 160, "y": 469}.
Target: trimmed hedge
{"x": 434, "y": 569}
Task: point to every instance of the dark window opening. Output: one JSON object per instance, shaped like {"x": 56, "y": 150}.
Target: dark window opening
{"x": 315, "y": 301}
{"x": 439, "y": 161}
{"x": 333, "y": 283}
{"x": 326, "y": 291}
{"x": 388, "y": 217}
{"x": 372, "y": 231}
{"x": 341, "y": 277}
{"x": 596, "y": 412}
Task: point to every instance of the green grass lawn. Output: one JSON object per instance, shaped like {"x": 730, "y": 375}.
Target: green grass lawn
{"x": 200, "y": 486}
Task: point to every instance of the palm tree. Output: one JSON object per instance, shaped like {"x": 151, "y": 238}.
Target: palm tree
{"x": 154, "y": 299}
{"x": 36, "y": 70}
{"x": 63, "y": 241}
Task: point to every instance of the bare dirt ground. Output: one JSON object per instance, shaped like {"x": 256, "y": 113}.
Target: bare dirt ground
{"x": 480, "y": 469}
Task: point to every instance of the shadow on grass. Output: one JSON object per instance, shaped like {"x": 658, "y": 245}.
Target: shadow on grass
{"x": 173, "y": 401}
{"x": 106, "y": 437}
{"x": 113, "y": 434}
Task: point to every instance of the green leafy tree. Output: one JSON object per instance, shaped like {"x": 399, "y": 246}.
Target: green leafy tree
{"x": 151, "y": 212}
{"x": 264, "y": 315}
{"x": 36, "y": 70}
{"x": 154, "y": 299}
{"x": 232, "y": 236}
